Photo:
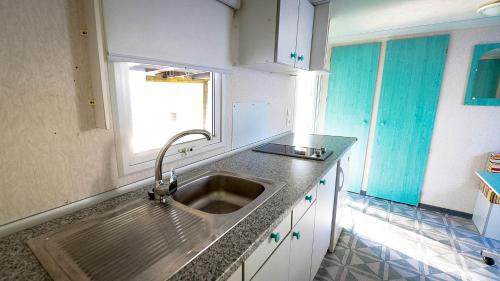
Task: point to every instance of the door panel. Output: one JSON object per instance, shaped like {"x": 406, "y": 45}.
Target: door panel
{"x": 323, "y": 220}
{"x": 342, "y": 213}
{"x": 409, "y": 96}
{"x": 304, "y": 34}
{"x": 277, "y": 266}
{"x": 353, "y": 76}
{"x": 301, "y": 246}
{"x": 287, "y": 31}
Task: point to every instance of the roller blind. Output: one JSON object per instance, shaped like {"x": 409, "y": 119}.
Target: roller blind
{"x": 235, "y": 4}
{"x": 194, "y": 33}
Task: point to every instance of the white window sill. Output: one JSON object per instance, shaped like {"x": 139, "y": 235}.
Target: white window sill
{"x": 176, "y": 160}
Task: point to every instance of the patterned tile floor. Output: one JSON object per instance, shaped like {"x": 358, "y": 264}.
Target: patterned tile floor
{"x": 391, "y": 241}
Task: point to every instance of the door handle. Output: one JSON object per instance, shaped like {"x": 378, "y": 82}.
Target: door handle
{"x": 341, "y": 173}
{"x": 276, "y": 236}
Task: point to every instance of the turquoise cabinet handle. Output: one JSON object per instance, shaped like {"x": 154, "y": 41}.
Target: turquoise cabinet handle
{"x": 382, "y": 123}
{"x": 293, "y": 55}
{"x": 296, "y": 234}
{"x": 323, "y": 182}
{"x": 276, "y": 236}
{"x": 301, "y": 58}
{"x": 365, "y": 122}
{"x": 309, "y": 198}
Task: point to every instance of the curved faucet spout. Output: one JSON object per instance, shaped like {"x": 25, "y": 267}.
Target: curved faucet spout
{"x": 159, "y": 190}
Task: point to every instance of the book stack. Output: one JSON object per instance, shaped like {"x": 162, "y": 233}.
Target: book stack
{"x": 493, "y": 166}
{"x": 493, "y": 163}
{"x": 489, "y": 194}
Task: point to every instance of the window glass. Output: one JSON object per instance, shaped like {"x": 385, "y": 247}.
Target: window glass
{"x": 167, "y": 100}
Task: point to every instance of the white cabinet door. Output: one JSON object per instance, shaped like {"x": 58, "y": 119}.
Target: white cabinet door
{"x": 287, "y": 32}
{"x": 342, "y": 212}
{"x": 323, "y": 221}
{"x": 302, "y": 236}
{"x": 277, "y": 266}
{"x": 237, "y": 275}
{"x": 304, "y": 34}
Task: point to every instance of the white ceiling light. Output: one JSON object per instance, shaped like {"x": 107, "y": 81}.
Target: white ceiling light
{"x": 490, "y": 9}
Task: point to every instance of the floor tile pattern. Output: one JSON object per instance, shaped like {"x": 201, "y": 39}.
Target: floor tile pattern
{"x": 385, "y": 240}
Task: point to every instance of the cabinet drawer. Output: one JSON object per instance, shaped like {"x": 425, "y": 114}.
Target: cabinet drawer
{"x": 303, "y": 205}
{"x": 257, "y": 258}
{"x": 277, "y": 266}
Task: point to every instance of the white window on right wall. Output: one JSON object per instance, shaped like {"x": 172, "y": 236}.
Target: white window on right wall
{"x": 154, "y": 102}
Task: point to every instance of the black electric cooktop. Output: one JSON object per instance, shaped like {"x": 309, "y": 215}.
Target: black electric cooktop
{"x": 295, "y": 151}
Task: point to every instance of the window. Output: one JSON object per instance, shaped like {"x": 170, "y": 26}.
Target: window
{"x": 153, "y": 103}
{"x": 307, "y": 95}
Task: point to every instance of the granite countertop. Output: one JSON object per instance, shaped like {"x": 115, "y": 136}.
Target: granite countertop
{"x": 222, "y": 258}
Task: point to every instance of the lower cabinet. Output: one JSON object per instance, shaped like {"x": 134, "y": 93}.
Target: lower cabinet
{"x": 301, "y": 246}
{"x": 323, "y": 219}
{"x": 342, "y": 216}
{"x": 296, "y": 247}
{"x": 237, "y": 275}
{"x": 277, "y": 266}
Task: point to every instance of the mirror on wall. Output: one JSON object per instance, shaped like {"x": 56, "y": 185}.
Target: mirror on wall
{"x": 484, "y": 78}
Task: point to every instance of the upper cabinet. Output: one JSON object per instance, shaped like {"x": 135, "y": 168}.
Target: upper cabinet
{"x": 320, "y": 59}
{"x": 304, "y": 35}
{"x": 286, "y": 39}
{"x": 275, "y": 35}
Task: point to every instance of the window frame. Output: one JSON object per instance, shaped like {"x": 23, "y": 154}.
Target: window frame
{"x": 130, "y": 162}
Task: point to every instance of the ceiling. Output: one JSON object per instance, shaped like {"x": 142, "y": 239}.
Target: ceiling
{"x": 360, "y": 20}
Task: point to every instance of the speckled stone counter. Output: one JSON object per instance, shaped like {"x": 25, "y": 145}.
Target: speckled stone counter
{"x": 223, "y": 257}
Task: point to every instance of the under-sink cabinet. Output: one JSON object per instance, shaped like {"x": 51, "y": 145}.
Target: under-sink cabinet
{"x": 259, "y": 256}
{"x": 278, "y": 265}
{"x": 295, "y": 248}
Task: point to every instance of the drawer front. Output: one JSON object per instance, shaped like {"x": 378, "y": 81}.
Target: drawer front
{"x": 303, "y": 205}
{"x": 257, "y": 259}
{"x": 277, "y": 266}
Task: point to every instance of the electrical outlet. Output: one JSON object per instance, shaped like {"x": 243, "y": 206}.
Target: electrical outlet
{"x": 186, "y": 150}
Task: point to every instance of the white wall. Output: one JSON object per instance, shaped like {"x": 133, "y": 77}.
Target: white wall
{"x": 50, "y": 152}
{"x": 462, "y": 134}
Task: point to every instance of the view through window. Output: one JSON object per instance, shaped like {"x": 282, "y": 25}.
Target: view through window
{"x": 167, "y": 100}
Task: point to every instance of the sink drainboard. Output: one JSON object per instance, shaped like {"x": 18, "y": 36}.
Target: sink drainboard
{"x": 123, "y": 245}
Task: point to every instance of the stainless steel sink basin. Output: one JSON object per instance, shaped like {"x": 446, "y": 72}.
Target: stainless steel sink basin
{"x": 146, "y": 240}
{"x": 219, "y": 193}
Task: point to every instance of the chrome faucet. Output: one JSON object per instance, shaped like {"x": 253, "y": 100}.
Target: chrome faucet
{"x": 162, "y": 189}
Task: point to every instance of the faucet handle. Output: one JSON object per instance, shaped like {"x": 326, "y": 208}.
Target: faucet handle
{"x": 172, "y": 183}
{"x": 151, "y": 193}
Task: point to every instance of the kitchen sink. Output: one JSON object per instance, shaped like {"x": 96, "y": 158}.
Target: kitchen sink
{"x": 218, "y": 193}
{"x": 147, "y": 240}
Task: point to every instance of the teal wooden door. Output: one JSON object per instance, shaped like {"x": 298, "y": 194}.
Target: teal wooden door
{"x": 351, "y": 87}
{"x": 411, "y": 84}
